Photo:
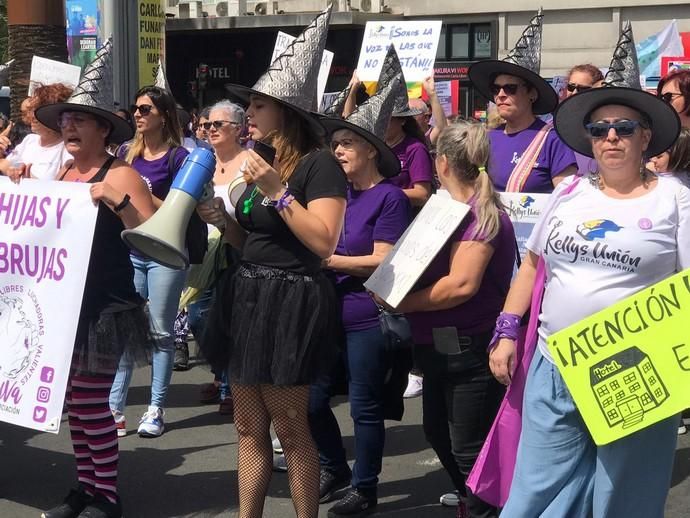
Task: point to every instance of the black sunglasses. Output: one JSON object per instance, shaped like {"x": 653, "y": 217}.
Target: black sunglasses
{"x": 508, "y": 88}
{"x": 599, "y": 130}
{"x": 144, "y": 109}
{"x": 669, "y": 96}
{"x": 216, "y": 124}
{"x": 580, "y": 88}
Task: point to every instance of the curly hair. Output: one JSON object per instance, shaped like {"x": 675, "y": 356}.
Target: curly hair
{"x": 49, "y": 94}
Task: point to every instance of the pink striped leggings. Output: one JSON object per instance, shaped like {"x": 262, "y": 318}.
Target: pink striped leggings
{"x": 94, "y": 436}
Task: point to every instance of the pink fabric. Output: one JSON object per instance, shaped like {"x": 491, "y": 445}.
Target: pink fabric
{"x": 492, "y": 474}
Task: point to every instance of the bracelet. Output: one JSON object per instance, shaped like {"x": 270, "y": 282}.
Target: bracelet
{"x": 122, "y": 204}
{"x": 507, "y": 326}
{"x": 282, "y": 202}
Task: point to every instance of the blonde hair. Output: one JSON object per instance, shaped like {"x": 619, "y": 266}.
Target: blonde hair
{"x": 465, "y": 144}
{"x": 172, "y": 131}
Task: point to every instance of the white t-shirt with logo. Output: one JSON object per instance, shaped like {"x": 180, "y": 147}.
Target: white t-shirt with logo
{"x": 599, "y": 250}
{"x": 46, "y": 161}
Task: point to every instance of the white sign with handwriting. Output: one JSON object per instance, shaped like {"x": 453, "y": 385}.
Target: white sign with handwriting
{"x": 414, "y": 251}
{"x": 48, "y": 71}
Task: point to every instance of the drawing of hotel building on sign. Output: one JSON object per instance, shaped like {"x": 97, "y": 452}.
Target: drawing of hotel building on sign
{"x": 626, "y": 385}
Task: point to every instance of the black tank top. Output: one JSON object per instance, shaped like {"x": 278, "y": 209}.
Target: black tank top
{"x": 110, "y": 278}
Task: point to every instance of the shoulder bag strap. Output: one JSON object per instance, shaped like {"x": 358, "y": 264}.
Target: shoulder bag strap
{"x": 524, "y": 167}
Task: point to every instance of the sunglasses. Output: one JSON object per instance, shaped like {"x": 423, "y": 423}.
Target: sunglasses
{"x": 598, "y": 130}
{"x": 580, "y": 88}
{"x": 78, "y": 120}
{"x": 346, "y": 143}
{"x": 669, "y": 96}
{"x": 143, "y": 109}
{"x": 508, "y": 88}
{"x": 216, "y": 124}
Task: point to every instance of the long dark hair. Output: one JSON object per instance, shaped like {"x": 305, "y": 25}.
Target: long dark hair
{"x": 411, "y": 128}
{"x": 172, "y": 132}
{"x": 679, "y": 153}
{"x": 683, "y": 77}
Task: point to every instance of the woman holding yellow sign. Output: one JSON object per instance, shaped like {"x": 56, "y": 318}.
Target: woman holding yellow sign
{"x": 602, "y": 238}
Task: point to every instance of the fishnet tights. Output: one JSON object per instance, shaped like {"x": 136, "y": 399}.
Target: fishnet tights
{"x": 255, "y": 407}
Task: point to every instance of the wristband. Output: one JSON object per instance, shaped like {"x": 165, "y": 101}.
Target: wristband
{"x": 122, "y": 204}
{"x": 507, "y": 326}
{"x": 282, "y": 202}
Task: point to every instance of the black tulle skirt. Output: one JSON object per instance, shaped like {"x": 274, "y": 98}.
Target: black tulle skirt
{"x": 271, "y": 326}
{"x": 103, "y": 339}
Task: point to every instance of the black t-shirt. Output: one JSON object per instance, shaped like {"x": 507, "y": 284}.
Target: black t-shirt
{"x": 270, "y": 241}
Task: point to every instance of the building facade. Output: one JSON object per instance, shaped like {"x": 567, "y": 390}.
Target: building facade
{"x": 235, "y": 38}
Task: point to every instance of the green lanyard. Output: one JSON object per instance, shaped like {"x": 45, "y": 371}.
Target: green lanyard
{"x": 249, "y": 203}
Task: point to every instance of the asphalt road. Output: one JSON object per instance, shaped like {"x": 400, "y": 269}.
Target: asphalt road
{"x": 191, "y": 470}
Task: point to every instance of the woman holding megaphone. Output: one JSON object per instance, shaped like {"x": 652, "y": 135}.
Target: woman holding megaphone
{"x": 156, "y": 153}
{"x": 276, "y": 312}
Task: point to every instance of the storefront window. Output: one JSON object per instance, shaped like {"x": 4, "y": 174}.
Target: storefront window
{"x": 459, "y": 41}
{"x": 442, "y": 50}
{"x": 482, "y": 41}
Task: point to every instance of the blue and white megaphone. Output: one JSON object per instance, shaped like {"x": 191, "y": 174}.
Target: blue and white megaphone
{"x": 162, "y": 237}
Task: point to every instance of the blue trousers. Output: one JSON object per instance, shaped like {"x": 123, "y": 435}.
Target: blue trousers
{"x": 198, "y": 313}
{"x": 162, "y": 287}
{"x": 367, "y": 366}
{"x": 560, "y": 472}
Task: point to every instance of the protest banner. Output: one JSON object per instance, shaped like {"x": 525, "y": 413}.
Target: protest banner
{"x": 414, "y": 251}
{"x": 415, "y": 42}
{"x": 283, "y": 40}
{"x": 48, "y": 71}
{"x": 47, "y": 231}
{"x": 628, "y": 366}
{"x": 524, "y": 210}
{"x": 151, "y": 41}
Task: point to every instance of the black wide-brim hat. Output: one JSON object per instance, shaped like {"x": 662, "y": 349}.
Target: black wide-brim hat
{"x": 49, "y": 114}
{"x": 483, "y": 73}
{"x": 243, "y": 93}
{"x": 389, "y": 164}
{"x": 573, "y": 113}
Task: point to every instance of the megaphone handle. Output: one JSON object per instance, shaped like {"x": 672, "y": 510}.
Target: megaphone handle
{"x": 208, "y": 193}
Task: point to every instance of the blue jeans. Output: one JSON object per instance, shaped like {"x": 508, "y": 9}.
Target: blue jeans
{"x": 197, "y": 313}
{"x": 561, "y": 472}
{"x": 367, "y": 366}
{"x": 162, "y": 287}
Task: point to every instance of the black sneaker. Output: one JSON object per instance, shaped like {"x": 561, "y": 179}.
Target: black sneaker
{"x": 181, "y": 361}
{"x": 330, "y": 482}
{"x": 73, "y": 504}
{"x": 101, "y": 507}
{"x": 354, "y": 503}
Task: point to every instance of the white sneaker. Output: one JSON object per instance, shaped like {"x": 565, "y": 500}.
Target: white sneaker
{"x": 120, "y": 423}
{"x": 414, "y": 386}
{"x": 451, "y": 499}
{"x": 151, "y": 423}
{"x": 682, "y": 430}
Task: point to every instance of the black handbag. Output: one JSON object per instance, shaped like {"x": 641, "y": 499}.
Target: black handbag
{"x": 396, "y": 328}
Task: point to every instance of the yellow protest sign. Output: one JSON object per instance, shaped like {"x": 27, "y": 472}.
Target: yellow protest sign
{"x": 151, "y": 42}
{"x": 628, "y": 366}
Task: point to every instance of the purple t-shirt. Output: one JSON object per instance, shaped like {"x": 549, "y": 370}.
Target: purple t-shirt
{"x": 478, "y": 314}
{"x": 507, "y": 149}
{"x": 381, "y": 213}
{"x": 415, "y": 163}
{"x": 155, "y": 172}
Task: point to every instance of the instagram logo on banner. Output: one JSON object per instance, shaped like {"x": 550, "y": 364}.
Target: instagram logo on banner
{"x": 43, "y": 395}
{"x": 47, "y": 374}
